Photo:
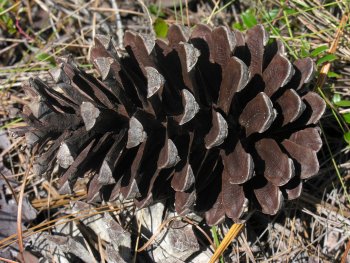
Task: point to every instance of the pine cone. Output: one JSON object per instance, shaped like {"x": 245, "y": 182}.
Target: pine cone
{"x": 213, "y": 120}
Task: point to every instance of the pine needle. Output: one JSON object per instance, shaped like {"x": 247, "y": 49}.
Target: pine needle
{"x": 231, "y": 235}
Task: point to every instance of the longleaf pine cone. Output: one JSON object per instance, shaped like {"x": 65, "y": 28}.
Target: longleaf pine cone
{"x": 216, "y": 121}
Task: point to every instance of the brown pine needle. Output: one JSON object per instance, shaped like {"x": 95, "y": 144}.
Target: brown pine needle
{"x": 201, "y": 230}
{"x": 57, "y": 201}
{"x": 55, "y": 222}
{"x": 8, "y": 260}
{"x": 346, "y": 252}
{"x": 325, "y": 68}
{"x": 231, "y": 235}
{"x": 10, "y": 187}
{"x": 154, "y": 236}
{"x": 19, "y": 211}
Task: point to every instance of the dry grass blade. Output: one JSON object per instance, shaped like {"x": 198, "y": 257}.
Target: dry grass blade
{"x": 187, "y": 15}
{"x": 137, "y": 240}
{"x": 93, "y": 32}
{"x": 231, "y": 234}
{"x": 105, "y": 9}
{"x": 9, "y": 9}
{"x": 146, "y": 12}
{"x": 100, "y": 249}
{"x": 216, "y": 6}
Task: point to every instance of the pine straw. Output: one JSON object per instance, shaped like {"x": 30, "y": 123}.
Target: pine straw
{"x": 304, "y": 229}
